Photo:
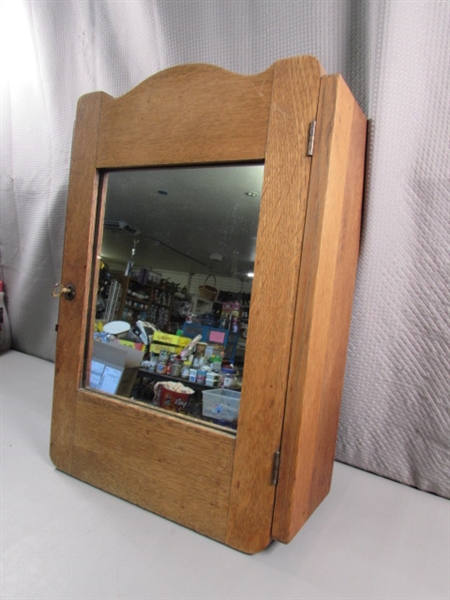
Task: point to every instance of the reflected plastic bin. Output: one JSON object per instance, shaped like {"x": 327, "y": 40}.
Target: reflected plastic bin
{"x": 221, "y": 405}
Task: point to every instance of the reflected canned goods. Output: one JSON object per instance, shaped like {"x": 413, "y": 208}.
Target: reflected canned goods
{"x": 161, "y": 368}
{"x": 228, "y": 377}
{"x": 201, "y": 376}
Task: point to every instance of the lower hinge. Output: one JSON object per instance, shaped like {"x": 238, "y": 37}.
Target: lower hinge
{"x": 275, "y": 468}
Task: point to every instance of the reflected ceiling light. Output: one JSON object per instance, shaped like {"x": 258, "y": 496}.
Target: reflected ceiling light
{"x": 251, "y": 194}
{"x": 250, "y": 274}
{"x": 215, "y": 256}
{"x": 114, "y": 225}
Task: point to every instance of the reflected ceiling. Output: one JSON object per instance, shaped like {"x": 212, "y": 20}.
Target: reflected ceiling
{"x": 194, "y": 220}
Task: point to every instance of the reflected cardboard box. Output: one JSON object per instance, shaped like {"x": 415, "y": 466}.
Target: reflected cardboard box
{"x": 170, "y": 339}
{"x": 214, "y": 350}
{"x": 115, "y": 366}
{"x": 157, "y": 348}
{"x": 173, "y": 344}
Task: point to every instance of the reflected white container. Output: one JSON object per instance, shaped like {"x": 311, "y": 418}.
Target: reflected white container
{"x": 221, "y": 405}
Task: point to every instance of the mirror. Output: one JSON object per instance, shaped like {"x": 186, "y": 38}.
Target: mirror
{"x": 176, "y": 266}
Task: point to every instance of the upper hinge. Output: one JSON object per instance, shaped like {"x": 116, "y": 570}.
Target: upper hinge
{"x": 275, "y": 468}
{"x": 311, "y": 136}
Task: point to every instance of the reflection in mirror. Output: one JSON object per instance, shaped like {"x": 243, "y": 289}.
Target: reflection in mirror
{"x": 176, "y": 266}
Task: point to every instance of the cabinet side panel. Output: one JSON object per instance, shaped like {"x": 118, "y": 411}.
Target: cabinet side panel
{"x": 323, "y": 312}
{"x": 186, "y": 115}
{"x": 123, "y": 449}
{"x": 283, "y": 207}
{"x": 78, "y": 245}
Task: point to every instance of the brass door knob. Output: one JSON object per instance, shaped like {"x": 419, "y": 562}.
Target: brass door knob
{"x": 68, "y": 291}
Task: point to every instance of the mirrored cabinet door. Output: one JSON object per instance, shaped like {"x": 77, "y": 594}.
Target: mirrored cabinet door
{"x": 177, "y": 258}
{"x": 212, "y": 243}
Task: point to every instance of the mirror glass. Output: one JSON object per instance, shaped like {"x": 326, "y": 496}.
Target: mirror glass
{"x": 174, "y": 288}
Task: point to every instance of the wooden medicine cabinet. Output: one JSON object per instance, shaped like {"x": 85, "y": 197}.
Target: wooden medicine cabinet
{"x": 261, "y": 482}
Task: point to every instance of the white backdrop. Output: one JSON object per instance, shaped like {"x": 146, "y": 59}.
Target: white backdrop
{"x": 394, "y": 55}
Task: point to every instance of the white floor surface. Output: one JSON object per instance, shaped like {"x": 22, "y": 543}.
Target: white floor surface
{"x": 63, "y": 539}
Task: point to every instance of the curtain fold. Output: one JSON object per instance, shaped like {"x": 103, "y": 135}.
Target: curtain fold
{"x": 394, "y": 55}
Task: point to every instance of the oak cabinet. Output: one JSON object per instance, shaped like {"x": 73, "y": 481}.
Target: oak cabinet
{"x": 262, "y": 482}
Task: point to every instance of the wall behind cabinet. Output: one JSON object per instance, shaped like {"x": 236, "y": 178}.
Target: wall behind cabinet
{"x": 394, "y": 56}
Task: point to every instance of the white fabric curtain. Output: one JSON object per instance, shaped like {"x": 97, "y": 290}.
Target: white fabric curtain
{"x": 394, "y": 55}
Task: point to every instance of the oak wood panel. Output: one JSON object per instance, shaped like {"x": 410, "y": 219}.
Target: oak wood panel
{"x": 77, "y": 263}
{"x": 323, "y": 312}
{"x": 186, "y": 115}
{"x": 274, "y": 290}
{"x": 177, "y": 469}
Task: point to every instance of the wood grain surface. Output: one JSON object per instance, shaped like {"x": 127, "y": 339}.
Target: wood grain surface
{"x": 274, "y": 292}
{"x": 77, "y": 269}
{"x": 323, "y": 311}
{"x": 187, "y": 115}
{"x": 177, "y": 469}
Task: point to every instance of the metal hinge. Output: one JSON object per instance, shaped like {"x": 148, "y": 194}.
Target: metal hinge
{"x": 311, "y": 135}
{"x": 275, "y": 468}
